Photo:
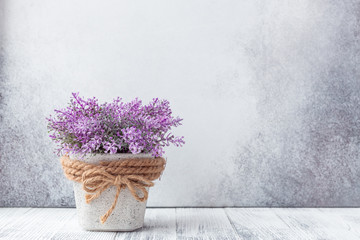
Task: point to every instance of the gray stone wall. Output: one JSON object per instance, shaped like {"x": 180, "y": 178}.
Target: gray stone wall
{"x": 269, "y": 93}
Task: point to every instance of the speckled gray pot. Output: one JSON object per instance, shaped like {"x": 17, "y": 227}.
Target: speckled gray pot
{"x": 128, "y": 214}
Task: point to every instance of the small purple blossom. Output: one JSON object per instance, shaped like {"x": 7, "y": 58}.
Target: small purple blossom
{"x": 86, "y": 126}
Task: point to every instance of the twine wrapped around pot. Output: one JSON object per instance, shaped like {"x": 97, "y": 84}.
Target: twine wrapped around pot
{"x": 135, "y": 174}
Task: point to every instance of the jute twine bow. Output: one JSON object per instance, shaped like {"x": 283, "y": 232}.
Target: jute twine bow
{"x": 135, "y": 174}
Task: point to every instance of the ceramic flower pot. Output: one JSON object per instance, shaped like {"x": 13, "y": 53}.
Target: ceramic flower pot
{"x": 128, "y": 213}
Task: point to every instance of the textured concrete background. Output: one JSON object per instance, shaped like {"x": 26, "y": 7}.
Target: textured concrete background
{"x": 269, "y": 91}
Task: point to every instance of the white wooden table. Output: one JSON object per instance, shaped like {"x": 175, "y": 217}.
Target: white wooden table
{"x": 191, "y": 223}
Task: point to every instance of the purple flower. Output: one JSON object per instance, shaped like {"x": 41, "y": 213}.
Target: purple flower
{"x": 86, "y": 126}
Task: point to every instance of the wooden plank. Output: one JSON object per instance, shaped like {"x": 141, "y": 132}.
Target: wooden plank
{"x": 203, "y": 223}
{"x": 315, "y": 223}
{"x": 257, "y": 223}
{"x": 37, "y": 223}
{"x": 72, "y": 230}
{"x": 8, "y": 215}
{"x": 342, "y": 222}
{"x": 287, "y": 223}
{"x": 159, "y": 223}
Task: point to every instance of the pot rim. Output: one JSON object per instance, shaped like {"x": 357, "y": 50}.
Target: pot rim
{"x": 95, "y": 158}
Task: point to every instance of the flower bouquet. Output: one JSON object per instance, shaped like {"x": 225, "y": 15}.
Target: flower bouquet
{"x": 112, "y": 152}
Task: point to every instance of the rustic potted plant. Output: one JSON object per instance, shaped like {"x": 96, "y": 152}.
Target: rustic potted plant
{"x": 113, "y": 153}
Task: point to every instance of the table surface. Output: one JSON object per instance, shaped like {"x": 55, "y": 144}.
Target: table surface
{"x": 191, "y": 223}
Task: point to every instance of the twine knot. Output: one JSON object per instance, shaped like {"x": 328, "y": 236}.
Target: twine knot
{"x": 119, "y": 179}
{"x": 134, "y": 174}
